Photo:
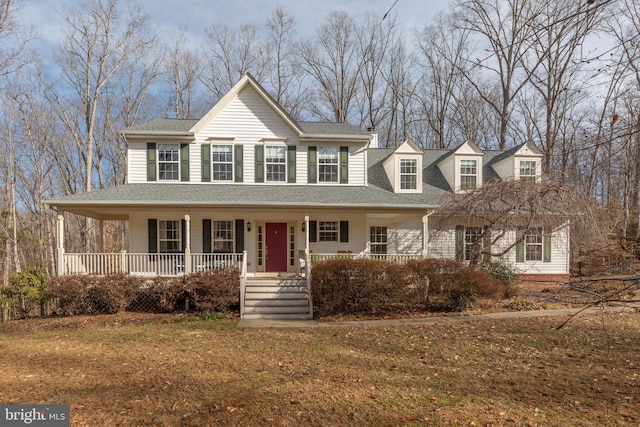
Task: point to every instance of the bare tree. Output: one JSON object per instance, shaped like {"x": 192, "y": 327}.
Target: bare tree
{"x": 504, "y": 30}
{"x": 283, "y": 74}
{"x": 14, "y": 39}
{"x": 333, "y": 61}
{"x": 181, "y": 72}
{"x": 443, "y": 52}
{"x": 504, "y": 206}
{"x": 230, "y": 55}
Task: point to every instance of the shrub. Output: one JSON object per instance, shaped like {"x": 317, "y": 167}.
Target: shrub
{"x": 502, "y": 272}
{"x": 110, "y": 294}
{"x": 214, "y": 290}
{"x": 25, "y": 291}
{"x": 71, "y": 292}
{"x": 160, "y": 295}
{"x": 460, "y": 300}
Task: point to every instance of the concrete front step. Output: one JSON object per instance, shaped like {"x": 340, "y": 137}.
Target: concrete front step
{"x": 281, "y": 316}
{"x": 283, "y": 299}
{"x": 276, "y": 298}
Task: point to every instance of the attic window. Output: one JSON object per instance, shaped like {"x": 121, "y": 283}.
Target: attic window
{"x": 468, "y": 174}
{"x": 527, "y": 169}
{"x": 408, "y": 174}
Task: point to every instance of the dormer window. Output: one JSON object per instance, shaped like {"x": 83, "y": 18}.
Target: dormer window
{"x": 468, "y": 174}
{"x": 408, "y": 174}
{"x": 528, "y": 169}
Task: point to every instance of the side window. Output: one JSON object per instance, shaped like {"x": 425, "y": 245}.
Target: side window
{"x": 378, "y": 240}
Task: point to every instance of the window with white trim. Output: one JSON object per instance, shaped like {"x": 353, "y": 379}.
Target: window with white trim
{"x": 378, "y": 240}
{"x": 328, "y": 164}
{"x": 168, "y": 162}
{"x": 533, "y": 244}
{"x": 472, "y": 239}
{"x": 222, "y": 236}
{"x": 408, "y": 174}
{"x": 169, "y": 236}
{"x": 222, "y": 162}
{"x": 528, "y": 169}
{"x": 468, "y": 174}
{"x": 276, "y": 163}
{"x": 328, "y": 231}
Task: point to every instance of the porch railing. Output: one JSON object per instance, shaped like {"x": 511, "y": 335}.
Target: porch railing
{"x": 397, "y": 258}
{"x": 141, "y": 264}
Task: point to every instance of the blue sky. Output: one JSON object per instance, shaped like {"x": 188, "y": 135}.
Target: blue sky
{"x": 169, "y": 16}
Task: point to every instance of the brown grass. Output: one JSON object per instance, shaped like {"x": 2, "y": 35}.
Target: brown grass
{"x": 167, "y": 370}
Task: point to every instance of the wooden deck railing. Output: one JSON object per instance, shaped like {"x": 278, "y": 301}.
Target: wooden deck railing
{"x": 397, "y": 258}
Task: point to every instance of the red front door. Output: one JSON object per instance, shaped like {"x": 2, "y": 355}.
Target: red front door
{"x": 276, "y": 247}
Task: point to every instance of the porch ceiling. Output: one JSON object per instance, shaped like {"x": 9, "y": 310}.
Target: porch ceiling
{"x": 117, "y": 202}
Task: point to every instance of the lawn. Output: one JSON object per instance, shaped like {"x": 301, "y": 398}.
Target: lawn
{"x": 167, "y": 370}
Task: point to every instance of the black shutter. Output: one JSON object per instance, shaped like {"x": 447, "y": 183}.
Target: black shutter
{"x": 259, "y": 159}
{"x": 183, "y": 226}
{"x": 344, "y": 165}
{"x": 184, "y": 162}
{"x": 344, "y": 231}
{"x": 546, "y": 242}
{"x": 291, "y": 163}
{"x": 238, "y": 165}
{"x": 313, "y": 231}
{"x": 312, "y": 169}
{"x": 239, "y": 235}
{"x": 153, "y": 235}
{"x": 206, "y": 236}
{"x": 205, "y": 154}
{"x": 460, "y": 242}
{"x": 151, "y": 161}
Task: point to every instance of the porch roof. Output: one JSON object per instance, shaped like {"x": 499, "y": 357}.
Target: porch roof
{"x": 115, "y": 202}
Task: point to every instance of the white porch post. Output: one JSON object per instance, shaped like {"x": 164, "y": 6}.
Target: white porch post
{"x": 187, "y": 244}
{"x": 60, "y": 239}
{"x": 425, "y": 234}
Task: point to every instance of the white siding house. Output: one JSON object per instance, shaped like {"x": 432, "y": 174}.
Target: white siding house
{"x": 249, "y": 179}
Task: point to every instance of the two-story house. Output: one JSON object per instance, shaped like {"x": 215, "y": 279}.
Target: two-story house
{"x": 248, "y": 184}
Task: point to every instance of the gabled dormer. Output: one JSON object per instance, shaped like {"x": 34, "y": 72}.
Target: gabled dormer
{"x": 462, "y": 168}
{"x": 404, "y": 168}
{"x": 521, "y": 162}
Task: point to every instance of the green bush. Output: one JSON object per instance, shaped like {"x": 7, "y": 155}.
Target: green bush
{"x": 25, "y": 291}
{"x": 502, "y": 272}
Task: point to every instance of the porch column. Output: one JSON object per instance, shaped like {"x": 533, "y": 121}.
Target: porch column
{"x": 60, "y": 239}
{"x": 425, "y": 234}
{"x": 307, "y": 259}
{"x": 187, "y": 244}
{"x": 101, "y": 236}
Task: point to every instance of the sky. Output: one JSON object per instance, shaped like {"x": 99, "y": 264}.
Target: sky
{"x": 170, "y": 16}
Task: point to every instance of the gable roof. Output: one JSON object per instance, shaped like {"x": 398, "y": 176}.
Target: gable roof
{"x": 247, "y": 80}
{"x": 468, "y": 144}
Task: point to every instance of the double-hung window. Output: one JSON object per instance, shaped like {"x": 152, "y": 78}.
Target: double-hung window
{"x": 276, "y": 163}
{"x": 328, "y": 164}
{"x": 468, "y": 174}
{"x": 472, "y": 241}
{"x": 222, "y": 236}
{"x": 408, "y": 174}
{"x": 169, "y": 236}
{"x": 528, "y": 169}
{"x": 533, "y": 244}
{"x": 378, "y": 240}
{"x": 169, "y": 162}
{"x": 328, "y": 231}
{"x": 222, "y": 162}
